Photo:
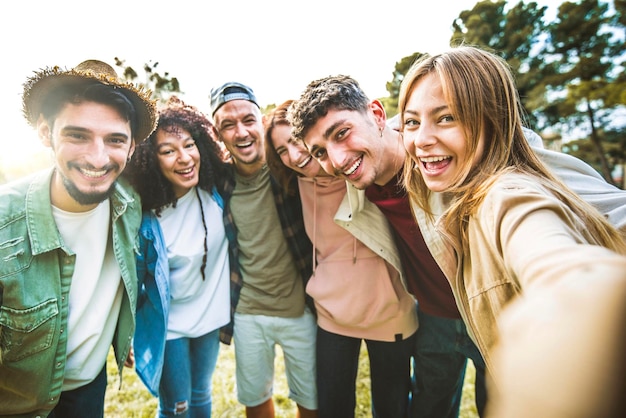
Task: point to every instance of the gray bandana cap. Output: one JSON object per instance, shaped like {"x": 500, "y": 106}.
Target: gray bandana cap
{"x": 230, "y": 91}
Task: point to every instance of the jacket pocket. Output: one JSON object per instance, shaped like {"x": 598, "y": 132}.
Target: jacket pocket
{"x": 27, "y": 331}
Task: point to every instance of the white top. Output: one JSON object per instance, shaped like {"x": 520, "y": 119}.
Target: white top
{"x": 95, "y": 293}
{"x": 197, "y": 306}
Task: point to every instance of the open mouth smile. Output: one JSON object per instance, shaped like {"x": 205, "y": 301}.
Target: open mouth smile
{"x": 185, "y": 171}
{"x": 353, "y": 167}
{"x": 305, "y": 162}
{"x": 93, "y": 173}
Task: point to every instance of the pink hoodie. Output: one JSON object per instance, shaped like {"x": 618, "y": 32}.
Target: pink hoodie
{"x": 356, "y": 292}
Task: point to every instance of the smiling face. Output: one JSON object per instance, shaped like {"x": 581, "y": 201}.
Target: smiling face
{"x": 179, "y": 159}
{"x": 294, "y": 154}
{"x": 433, "y": 138}
{"x": 239, "y": 126}
{"x": 91, "y": 144}
{"x": 350, "y": 144}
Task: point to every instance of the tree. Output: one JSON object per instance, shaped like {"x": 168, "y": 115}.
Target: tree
{"x": 617, "y": 94}
{"x": 580, "y": 54}
{"x": 513, "y": 34}
{"x": 393, "y": 87}
{"x": 162, "y": 86}
{"x": 620, "y": 12}
{"x": 614, "y": 144}
{"x": 267, "y": 109}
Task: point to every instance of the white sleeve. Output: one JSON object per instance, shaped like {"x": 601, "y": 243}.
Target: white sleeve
{"x": 533, "y": 138}
{"x": 584, "y": 180}
{"x": 588, "y": 184}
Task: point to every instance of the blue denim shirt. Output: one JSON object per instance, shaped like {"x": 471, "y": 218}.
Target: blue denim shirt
{"x": 153, "y": 301}
{"x": 35, "y": 276}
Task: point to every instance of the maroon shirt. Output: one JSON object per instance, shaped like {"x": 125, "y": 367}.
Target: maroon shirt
{"x": 425, "y": 280}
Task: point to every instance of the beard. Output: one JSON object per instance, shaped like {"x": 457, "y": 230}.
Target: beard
{"x": 87, "y": 198}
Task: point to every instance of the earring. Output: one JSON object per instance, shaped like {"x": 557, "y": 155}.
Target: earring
{"x": 381, "y": 132}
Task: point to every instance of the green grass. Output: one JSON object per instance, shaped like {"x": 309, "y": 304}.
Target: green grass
{"x": 134, "y": 401}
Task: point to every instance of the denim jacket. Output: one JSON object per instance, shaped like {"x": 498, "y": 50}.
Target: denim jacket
{"x": 153, "y": 302}
{"x": 35, "y": 276}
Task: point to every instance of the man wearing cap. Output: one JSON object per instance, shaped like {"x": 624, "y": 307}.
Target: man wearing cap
{"x": 274, "y": 260}
{"x": 68, "y": 283}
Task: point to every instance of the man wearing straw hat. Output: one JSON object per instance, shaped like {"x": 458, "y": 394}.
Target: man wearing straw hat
{"x": 68, "y": 283}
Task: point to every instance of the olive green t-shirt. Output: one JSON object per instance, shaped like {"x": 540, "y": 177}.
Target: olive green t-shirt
{"x": 271, "y": 281}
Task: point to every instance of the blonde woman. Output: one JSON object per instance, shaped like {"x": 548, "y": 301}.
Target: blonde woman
{"x": 516, "y": 230}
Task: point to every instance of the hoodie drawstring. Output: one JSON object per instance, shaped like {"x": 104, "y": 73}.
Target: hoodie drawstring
{"x": 353, "y": 237}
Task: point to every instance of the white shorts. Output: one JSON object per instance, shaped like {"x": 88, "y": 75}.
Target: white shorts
{"x": 255, "y": 337}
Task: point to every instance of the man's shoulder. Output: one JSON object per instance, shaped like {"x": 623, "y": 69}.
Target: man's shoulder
{"x": 20, "y": 184}
{"x": 127, "y": 196}
{"x": 13, "y": 196}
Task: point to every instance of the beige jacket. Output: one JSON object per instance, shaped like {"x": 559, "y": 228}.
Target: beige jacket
{"x": 561, "y": 351}
{"x": 557, "y": 360}
{"x": 522, "y": 238}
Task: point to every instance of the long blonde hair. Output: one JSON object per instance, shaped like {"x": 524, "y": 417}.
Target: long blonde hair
{"x": 480, "y": 91}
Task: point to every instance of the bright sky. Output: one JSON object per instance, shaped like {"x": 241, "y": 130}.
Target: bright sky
{"x": 275, "y": 46}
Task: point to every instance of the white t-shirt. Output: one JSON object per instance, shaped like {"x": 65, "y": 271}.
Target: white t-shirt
{"x": 197, "y": 306}
{"x": 95, "y": 293}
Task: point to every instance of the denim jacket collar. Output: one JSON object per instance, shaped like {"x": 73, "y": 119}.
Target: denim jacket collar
{"x": 42, "y": 230}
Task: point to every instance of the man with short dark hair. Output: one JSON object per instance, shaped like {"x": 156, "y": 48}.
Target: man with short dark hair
{"x": 68, "y": 283}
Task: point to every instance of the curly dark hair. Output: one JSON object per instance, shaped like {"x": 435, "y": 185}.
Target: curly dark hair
{"x": 339, "y": 92}
{"x": 143, "y": 170}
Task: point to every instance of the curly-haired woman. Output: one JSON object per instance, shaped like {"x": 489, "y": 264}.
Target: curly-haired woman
{"x": 183, "y": 262}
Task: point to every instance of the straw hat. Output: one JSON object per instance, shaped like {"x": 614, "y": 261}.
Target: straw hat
{"x": 43, "y": 82}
